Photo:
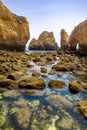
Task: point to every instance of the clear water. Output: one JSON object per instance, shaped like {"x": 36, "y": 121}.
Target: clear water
{"x": 45, "y": 114}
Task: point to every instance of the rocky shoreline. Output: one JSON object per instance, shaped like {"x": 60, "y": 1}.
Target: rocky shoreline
{"x": 15, "y": 65}
{"x": 42, "y": 90}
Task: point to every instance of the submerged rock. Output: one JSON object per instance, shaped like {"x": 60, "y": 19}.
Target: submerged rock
{"x": 67, "y": 122}
{"x": 20, "y": 114}
{"x": 58, "y": 101}
{"x": 82, "y": 108}
{"x": 56, "y": 84}
{"x": 32, "y": 83}
{"x": 11, "y": 94}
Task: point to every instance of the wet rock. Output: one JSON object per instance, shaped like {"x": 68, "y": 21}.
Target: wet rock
{"x": 43, "y": 121}
{"x": 13, "y": 76}
{"x": 34, "y": 103}
{"x": 44, "y": 75}
{"x": 60, "y": 74}
{"x": 2, "y": 120}
{"x": 35, "y": 73}
{"x": 56, "y": 84}
{"x": 32, "y": 83}
{"x": 67, "y": 122}
{"x": 82, "y": 108}
{"x": 21, "y": 117}
{"x": 8, "y": 83}
{"x": 31, "y": 91}
{"x": 43, "y": 70}
{"x": 58, "y": 101}
{"x": 2, "y": 77}
{"x": 75, "y": 86}
{"x": 52, "y": 72}
{"x": 20, "y": 114}
{"x": 11, "y": 94}
{"x": 63, "y": 66}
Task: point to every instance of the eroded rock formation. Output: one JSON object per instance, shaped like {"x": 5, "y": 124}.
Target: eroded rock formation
{"x": 46, "y": 41}
{"x": 64, "y": 39}
{"x": 79, "y": 36}
{"x": 14, "y": 30}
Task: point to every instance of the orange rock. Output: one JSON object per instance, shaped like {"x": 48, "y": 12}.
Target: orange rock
{"x": 14, "y": 30}
{"x": 79, "y": 36}
{"x": 46, "y": 41}
{"x": 64, "y": 39}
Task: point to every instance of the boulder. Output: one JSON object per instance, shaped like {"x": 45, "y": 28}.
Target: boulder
{"x": 56, "y": 84}
{"x": 63, "y": 66}
{"x": 75, "y": 86}
{"x": 14, "y": 30}
{"x": 58, "y": 101}
{"x": 8, "y": 84}
{"x": 64, "y": 39}
{"x": 46, "y": 41}
{"x": 32, "y": 83}
{"x": 43, "y": 70}
{"x": 79, "y": 37}
{"x": 11, "y": 94}
{"x": 20, "y": 114}
{"x": 82, "y": 108}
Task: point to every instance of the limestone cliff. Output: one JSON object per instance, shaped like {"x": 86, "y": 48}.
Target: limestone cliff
{"x": 46, "y": 41}
{"x": 79, "y": 36}
{"x": 14, "y": 30}
{"x": 64, "y": 39}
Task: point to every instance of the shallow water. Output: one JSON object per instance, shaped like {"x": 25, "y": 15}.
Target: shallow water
{"x": 46, "y": 113}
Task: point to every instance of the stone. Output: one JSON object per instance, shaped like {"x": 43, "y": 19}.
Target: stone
{"x": 13, "y": 76}
{"x": 46, "y": 41}
{"x": 75, "y": 86}
{"x": 67, "y": 122}
{"x": 35, "y": 73}
{"x": 57, "y": 84}
{"x": 79, "y": 37}
{"x": 31, "y": 91}
{"x": 64, "y": 39}
{"x": 82, "y": 108}
{"x": 20, "y": 114}
{"x": 12, "y": 94}
{"x": 14, "y": 30}
{"x": 60, "y": 74}
{"x": 63, "y": 66}
{"x": 8, "y": 83}
{"x": 32, "y": 83}
{"x": 58, "y": 101}
{"x": 43, "y": 70}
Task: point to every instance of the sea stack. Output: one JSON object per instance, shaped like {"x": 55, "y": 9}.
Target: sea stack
{"x": 64, "y": 39}
{"x": 14, "y": 30}
{"x": 46, "y": 41}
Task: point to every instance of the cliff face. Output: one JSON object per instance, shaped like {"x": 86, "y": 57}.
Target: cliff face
{"x": 14, "y": 30}
{"x": 46, "y": 41}
{"x": 64, "y": 39}
{"x": 79, "y": 36}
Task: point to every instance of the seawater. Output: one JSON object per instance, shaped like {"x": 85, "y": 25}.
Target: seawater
{"x": 46, "y": 114}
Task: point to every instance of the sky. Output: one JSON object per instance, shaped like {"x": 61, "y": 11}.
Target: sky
{"x": 49, "y": 15}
